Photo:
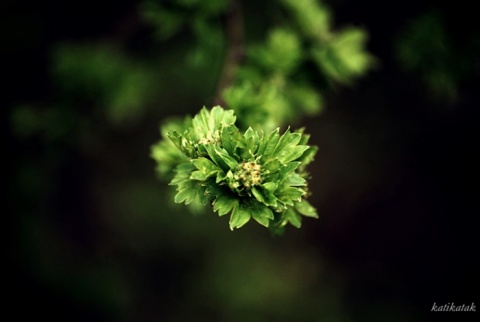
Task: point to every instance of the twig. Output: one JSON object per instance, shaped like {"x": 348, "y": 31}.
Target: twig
{"x": 235, "y": 49}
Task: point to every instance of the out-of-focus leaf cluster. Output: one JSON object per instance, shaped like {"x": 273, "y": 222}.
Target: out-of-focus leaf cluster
{"x": 201, "y": 18}
{"x": 426, "y": 47}
{"x": 340, "y": 55}
{"x": 169, "y": 17}
{"x": 84, "y": 75}
{"x": 270, "y": 90}
{"x": 274, "y": 85}
{"x": 103, "y": 75}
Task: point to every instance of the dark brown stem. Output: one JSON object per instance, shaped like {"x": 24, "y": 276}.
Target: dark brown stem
{"x": 235, "y": 49}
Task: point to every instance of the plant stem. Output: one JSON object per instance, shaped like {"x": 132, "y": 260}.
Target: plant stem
{"x": 235, "y": 49}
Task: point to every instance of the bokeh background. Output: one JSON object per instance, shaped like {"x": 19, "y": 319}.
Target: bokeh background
{"x": 92, "y": 233}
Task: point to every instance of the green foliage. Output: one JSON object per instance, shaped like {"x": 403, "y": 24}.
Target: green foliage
{"x": 169, "y": 18}
{"x": 201, "y": 18}
{"x": 312, "y": 17}
{"x": 240, "y": 163}
{"x": 247, "y": 174}
{"x": 264, "y": 94}
{"x": 165, "y": 153}
{"x": 343, "y": 58}
{"x": 105, "y": 76}
{"x": 426, "y": 47}
{"x": 274, "y": 87}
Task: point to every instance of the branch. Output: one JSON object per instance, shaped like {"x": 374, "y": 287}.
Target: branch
{"x": 235, "y": 49}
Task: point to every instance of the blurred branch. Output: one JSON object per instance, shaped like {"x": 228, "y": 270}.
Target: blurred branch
{"x": 235, "y": 49}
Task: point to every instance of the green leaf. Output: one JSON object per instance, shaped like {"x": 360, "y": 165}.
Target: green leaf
{"x": 264, "y": 196}
{"x": 281, "y": 53}
{"x": 293, "y": 153}
{"x": 204, "y": 165}
{"x": 269, "y": 143}
{"x": 306, "y": 209}
{"x": 182, "y": 172}
{"x": 207, "y": 124}
{"x": 312, "y": 16}
{"x": 167, "y": 156}
{"x": 294, "y": 179}
{"x": 221, "y": 157}
{"x": 308, "y": 156}
{"x": 270, "y": 186}
{"x": 224, "y": 204}
{"x": 292, "y": 217}
{"x": 188, "y": 191}
{"x": 202, "y": 124}
{"x": 286, "y": 149}
{"x": 273, "y": 165}
{"x": 307, "y": 98}
{"x": 231, "y": 139}
{"x": 177, "y": 139}
{"x": 199, "y": 176}
{"x": 287, "y": 140}
{"x": 202, "y": 194}
{"x": 221, "y": 117}
{"x": 251, "y": 140}
{"x": 289, "y": 194}
{"x": 240, "y": 216}
{"x": 290, "y": 167}
{"x": 261, "y": 213}
{"x": 344, "y": 58}
{"x": 206, "y": 168}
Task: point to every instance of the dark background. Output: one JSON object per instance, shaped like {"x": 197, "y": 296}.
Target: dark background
{"x": 91, "y": 234}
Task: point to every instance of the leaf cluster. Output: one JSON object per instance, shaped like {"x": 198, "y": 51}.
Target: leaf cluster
{"x": 198, "y": 17}
{"x": 248, "y": 174}
{"x": 284, "y": 77}
{"x": 237, "y": 160}
{"x": 276, "y": 84}
{"x": 442, "y": 58}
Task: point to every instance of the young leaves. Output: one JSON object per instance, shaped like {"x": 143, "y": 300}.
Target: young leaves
{"x": 247, "y": 175}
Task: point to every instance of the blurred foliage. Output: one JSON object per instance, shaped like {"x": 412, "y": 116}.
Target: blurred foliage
{"x": 104, "y": 75}
{"x": 266, "y": 94}
{"x": 272, "y": 86}
{"x": 441, "y": 59}
{"x": 169, "y": 17}
{"x": 201, "y": 18}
